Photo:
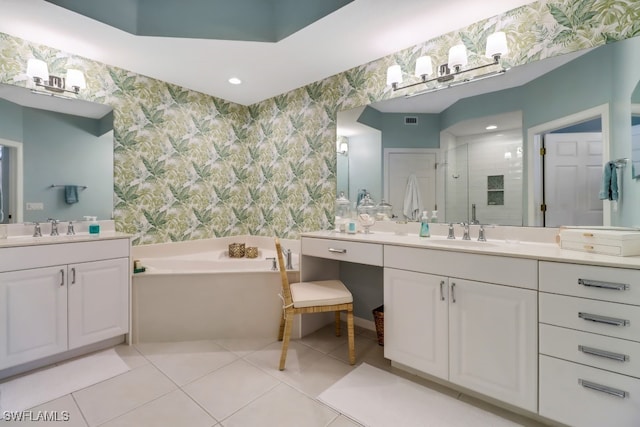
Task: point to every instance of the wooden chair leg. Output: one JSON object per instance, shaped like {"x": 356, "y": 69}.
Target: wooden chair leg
{"x": 285, "y": 339}
{"x": 337, "y": 323}
{"x": 281, "y": 331}
{"x": 351, "y": 336}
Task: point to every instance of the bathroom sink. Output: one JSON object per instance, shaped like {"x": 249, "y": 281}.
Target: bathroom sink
{"x": 457, "y": 243}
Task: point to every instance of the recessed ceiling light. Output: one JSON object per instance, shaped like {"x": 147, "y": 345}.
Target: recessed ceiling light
{"x": 235, "y": 81}
{"x": 491, "y": 127}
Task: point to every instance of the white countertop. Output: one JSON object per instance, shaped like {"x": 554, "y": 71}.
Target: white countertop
{"x": 16, "y": 241}
{"x": 531, "y": 250}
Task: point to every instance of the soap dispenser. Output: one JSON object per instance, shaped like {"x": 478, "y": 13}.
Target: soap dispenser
{"x": 424, "y": 225}
{"x": 434, "y": 216}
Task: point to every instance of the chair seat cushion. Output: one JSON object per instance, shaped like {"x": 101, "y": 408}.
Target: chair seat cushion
{"x": 322, "y": 292}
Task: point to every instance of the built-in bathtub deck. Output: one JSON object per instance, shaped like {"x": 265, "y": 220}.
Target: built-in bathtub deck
{"x": 193, "y": 291}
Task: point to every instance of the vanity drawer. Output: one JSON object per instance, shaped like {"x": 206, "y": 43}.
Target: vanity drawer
{"x": 361, "y": 253}
{"x": 24, "y": 257}
{"x": 582, "y": 396}
{"x": 600, "y": 317}
{"x": 601, "y": 283}
{"x": 595, "y": 350}
{"x": 518, "y": 272}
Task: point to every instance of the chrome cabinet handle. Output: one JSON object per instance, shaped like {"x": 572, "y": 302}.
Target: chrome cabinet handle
{"x": 73, "y": 275}
{"x": 603, "y": 388}
{"x": 61, "y": 277}
{"x": 338, "y": 251}
{"x": 453, "y": 295}
{"x": 603, "y": 353}
{"x": 603, "y": 319}
{"x": 441, "y": 292}
{"x": 603, "y": 285}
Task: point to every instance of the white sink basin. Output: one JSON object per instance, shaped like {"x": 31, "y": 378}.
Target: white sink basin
{"x": 458, "y": 243}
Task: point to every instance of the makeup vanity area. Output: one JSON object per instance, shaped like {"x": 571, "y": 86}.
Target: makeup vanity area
{"x": 527, "y": 324}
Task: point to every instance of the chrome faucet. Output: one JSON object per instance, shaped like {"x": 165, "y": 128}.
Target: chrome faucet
{"x": 37, "y": 232}
{"x": 54, "y": 226}
{"x": 481, "y": 237}
{"x": 474, "y": 220}
{"x": 451, "y": 234}
{"x": 274, "y": 263}
{"x": 465, "y": 236}
{"x": 70, "y": 230}
{"x": 287, "y": 255}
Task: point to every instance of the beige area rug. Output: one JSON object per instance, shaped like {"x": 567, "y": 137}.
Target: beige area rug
{"x": 374, "y": 397}
{"x": 34, "y": 389}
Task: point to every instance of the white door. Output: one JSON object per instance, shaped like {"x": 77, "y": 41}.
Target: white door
{"x": 635, "y": 149}
{"x": 399, "y": 166}
{"x": 98, "y": 301}
{"x": 33, "y": 314}
{"x": 572, "y": 179}
{"x": 415, "y": 321}
{"x": 493, "y": 341}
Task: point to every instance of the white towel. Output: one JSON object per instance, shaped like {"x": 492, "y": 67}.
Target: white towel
{"x": 412, "y": 203}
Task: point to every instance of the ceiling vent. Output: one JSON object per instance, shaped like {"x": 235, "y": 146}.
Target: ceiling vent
{"x": 410, "y": 120}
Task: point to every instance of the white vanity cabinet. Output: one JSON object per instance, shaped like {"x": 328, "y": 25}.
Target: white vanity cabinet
{"x": 60, "y": 297}
{"x": 589, "y": 344}
{"x": 480, "y": 335}
{"x": 33, "y": 311}
{"x": 416, "y": 320}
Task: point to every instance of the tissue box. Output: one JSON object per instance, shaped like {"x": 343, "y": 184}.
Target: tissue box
{"x": 601, "y": 241}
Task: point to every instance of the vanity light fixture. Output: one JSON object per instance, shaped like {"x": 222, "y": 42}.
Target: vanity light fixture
{"x": 496, "y": 48}
{"x": 344, "y": 148}
{"x": 39, "y": 72}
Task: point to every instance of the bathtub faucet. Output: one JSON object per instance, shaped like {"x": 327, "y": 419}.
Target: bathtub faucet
{"x": 274, "y": 263}
{"x": 287, "y": 255}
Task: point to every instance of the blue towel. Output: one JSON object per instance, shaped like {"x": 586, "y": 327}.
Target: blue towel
{"x": 609, "y": 190}
{"x": 71, "y": 194}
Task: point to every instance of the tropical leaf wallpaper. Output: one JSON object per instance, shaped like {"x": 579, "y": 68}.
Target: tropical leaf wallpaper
{"x": 191, "y": 166}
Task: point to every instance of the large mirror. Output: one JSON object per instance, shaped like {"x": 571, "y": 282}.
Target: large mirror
{"x": 477, "y": 149}
{"x": 56, "y": 157}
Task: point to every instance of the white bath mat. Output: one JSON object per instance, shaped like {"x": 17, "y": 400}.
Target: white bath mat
{"x": 374, "y": 397}
{"x": 43, "y": 386}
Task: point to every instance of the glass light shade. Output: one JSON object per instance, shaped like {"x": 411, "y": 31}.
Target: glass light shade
{"x": 458, "y": 56}
{"x": 344, "y": 148}
{"x": 75, "y": 78}
{"x": 497, "y": 44}
{"x": 394, "y": 75}
{"x": 424, "y": 67}
{"x": 37, "y": 68}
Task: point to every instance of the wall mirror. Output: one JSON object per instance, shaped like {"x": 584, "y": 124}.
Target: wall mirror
{"x": 635, "y": 131}
{"x": 49, "y": 142}
{"x": 495, "y": 175}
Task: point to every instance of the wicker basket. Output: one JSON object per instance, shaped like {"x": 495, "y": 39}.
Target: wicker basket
{"x": 236, "y": 250}
{"x": 251, "y": 252}
{"x": 378, "y": 318}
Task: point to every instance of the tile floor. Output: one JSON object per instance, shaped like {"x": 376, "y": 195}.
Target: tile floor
{"x": 230, "y": 383}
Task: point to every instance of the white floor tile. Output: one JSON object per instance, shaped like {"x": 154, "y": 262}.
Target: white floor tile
{"x": 282, "y": 407}
{"x": 244, "y": 346}
{"x": 131, "y": 356}
{"x": 173, "y": 409}
{"x": 114, "y": 397}
{"x": 343, "y": 421}
{"x": 228, "y": 389}
{"x": 187, "y": 361}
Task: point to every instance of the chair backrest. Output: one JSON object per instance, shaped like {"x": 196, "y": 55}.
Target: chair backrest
{"x": 286, "y": 290}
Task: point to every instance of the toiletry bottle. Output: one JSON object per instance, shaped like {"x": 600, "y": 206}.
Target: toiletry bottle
{"x": 434, "y": 216}
{"x": 424, "y": 225}
{"x": 94, "y": 227}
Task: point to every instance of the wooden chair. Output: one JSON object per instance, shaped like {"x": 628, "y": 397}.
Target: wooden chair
{"x": 312, "y": 297}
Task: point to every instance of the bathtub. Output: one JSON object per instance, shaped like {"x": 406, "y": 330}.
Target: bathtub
{"x": 193, "y": 290}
